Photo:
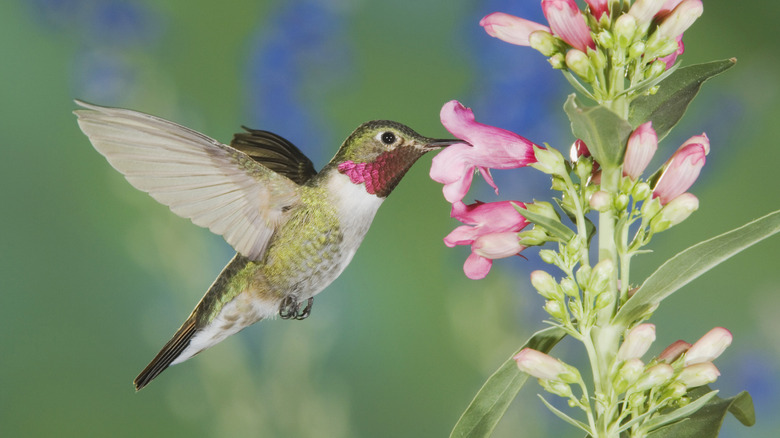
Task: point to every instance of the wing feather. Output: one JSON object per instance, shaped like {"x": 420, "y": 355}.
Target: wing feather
{"x": 212, "y": 184}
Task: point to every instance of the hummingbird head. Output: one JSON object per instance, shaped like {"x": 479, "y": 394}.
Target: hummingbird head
{"x": 379, "y": 153}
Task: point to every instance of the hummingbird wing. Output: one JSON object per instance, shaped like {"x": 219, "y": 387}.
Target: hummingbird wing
{"x": 214, "y": 185}
{"x": 275, "y": 153}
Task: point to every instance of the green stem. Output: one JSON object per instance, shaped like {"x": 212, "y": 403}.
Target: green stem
{"x": 582, "y": 231}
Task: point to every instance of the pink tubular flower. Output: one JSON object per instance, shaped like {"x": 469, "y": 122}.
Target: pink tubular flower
{"x": 488, "y": 148}
{"x": 668, "y": 6}
{"x": 710, "y": 346}
{"x": 682, "y": 169}
{"x": 642, "y": 144}
{"x": 511, "y": 29}
{"x": 491, "y": 231}
{"x": 673, "y": 351}
{"x": 645, "y": 10}
{"x": 637, "y": 342}
{"x": 567, "y": 22}
{"x": 598, "y": 7}
{"x": 680, "y": 18}
{"x": 542, "y": 366}
{"x": 698, "y": 374}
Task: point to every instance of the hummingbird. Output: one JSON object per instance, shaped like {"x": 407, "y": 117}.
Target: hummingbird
{"x": 294, "y": 229}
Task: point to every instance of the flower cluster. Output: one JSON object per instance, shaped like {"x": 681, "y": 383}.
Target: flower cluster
{"x": 648, "y": 388}
{"x": 608, "y": 41}
{"x": 491, "y": 228}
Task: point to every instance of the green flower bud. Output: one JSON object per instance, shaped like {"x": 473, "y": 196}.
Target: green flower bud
{"x": 657, "y": 68}
{"x": 676, "y": 211}
{"x": 549, "y": 161}
{"x": 636, "y": 50}
{"x": 674, "y": 391}
{"x": 655, "y": 376}
{"x": 545, "y": 209}
{"x": 621, "y": 202}
{"x": 544, "y": 42}
{"x": 605, "y": 39}
{"x": 603, "y": 300}
{"x": 597, "y": 59}
{"x": 556, "y": 310}
{"x": 534, "y": 237}
{"x": 601, "y": 276}
{"x": 641, "y": 191}
{"x": 651, "y": 207}
{"x": 545, "y": 284}
{"x": 557, "y": 387}
{"x": 578, "y": 62}
{"x": 629, "y": 373}
{"x": 548, "y": 256}
{"x": 637, "y": 399}
{"x": 557, "y": 61}
{"x": 625, "y": 28}
{"x": 583, "y": 274}
{"x": 569, "y": 287}
{"x": 558, "y": 184}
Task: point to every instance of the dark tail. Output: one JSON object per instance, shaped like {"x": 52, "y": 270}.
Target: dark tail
{"x": 168, "y": 354}
{"x": 181, "y": 339}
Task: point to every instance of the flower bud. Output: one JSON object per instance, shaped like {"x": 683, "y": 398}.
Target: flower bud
{"x": 682, "y": 169}
{"x": 675, "y": 390}
{"x": 603, "y": 300}
{"x": 549, "y": 161}
{"x": 673, "y": 351}
{"x": 597, "y": 59}
{"x": 709, "y": 347}
{"x": 601, "y": 201}
{"x": 533, "y": 237}
{"x": 578, "y": 62}
{"x": 606, "y": 39}
{"x": 655, "y": 376}
{"x": 644, "y": 10}
{"x": 555, "y": 309}
{"x": 698, "y": 374}
{"x": 640, "y": 148}
{"x": 543, "y": 366}
{"x": 557, "y": 387}
{"x": 514, "y": 30}
{"x": 557, "y": 61}
{"x": 548, "y": 256}
{"x": 641, "y": 191}
{"x": 568, "y": 23}
{"x": 601, "y": 276}
{"x": 621, "y": 202}
{"x": 597, "y": 8}
{"x": 625, "y": 28}
{"x": 569, "y": 287}
{"x": 636, "y": 342}
{"x": 680, "y": 19}
{"x": 545, "y": 284}
{"x": 636, "y": 50}
{"x": 651, "y": 207}
{"x": 657, "y": 68}
{"x": 545, "y": 43}
{"x": 629, "y": 373}
{"x": 674, "y": 212}
{"x": 542, "y": 208}
{"x": 583, "y": 274}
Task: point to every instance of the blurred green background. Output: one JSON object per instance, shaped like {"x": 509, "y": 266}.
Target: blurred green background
{"x": 96, "y": 276}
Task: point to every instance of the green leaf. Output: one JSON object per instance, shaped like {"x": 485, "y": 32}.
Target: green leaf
{"x": 681, "y": 413}
{"x": 693, "y": 262}
{"x": 666, "y": 107}
{"x": 493, "y": 399}
{"x": 707, "y": 421}
{"x": 604, "y": 132}
{"x": 555, "y": 228}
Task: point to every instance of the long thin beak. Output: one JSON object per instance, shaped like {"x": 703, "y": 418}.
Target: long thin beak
{"x": 441, "y": 143}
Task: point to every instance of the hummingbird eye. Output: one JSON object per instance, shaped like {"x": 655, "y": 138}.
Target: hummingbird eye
{"x": 387, "y": 138}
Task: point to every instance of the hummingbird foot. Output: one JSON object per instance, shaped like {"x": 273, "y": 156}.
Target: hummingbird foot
{"x": 290, "y": 308}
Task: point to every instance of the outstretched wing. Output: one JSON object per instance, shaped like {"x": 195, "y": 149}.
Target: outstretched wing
{"x": 214, "y": 185}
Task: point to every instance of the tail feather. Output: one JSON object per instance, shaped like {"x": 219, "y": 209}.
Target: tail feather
{"x": 167, "y": 355}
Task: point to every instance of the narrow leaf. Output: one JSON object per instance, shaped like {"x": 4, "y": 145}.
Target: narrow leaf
{"x": 555, "y": 228}
{"x": 493, "y": 399}
{"x": 679, "y": 414}
{"x": 576, "y": 423}
{"x": 604, "y": 132}
{"x": 693, "y": 262}
{"x": 707, "y": 421}
{"x": 667, "y": 106}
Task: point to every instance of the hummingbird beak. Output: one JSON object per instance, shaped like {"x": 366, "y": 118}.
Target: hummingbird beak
{"x": 441, "y": 143}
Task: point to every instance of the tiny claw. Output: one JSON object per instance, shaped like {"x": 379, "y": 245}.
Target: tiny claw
{"x": 290, "y": 308}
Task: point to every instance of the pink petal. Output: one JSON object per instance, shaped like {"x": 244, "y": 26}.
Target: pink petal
{"x": 497, "y": 245}
{"x": 598, "y": 7}
{"x": 640, "y": 149}
{"x": 476, "y": 267}
{"x": 673, "y": 351}
{"x": 709, "y": 347}
{"x": 513, "y": 30}
{"x": 680, "y": 19}
{"x": 645, "y": 10}
{"x": 681, "y": 172}
{"x": 568, "y": 23}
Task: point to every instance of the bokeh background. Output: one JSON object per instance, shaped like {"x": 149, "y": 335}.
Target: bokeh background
{"x": 95, "y": 276}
